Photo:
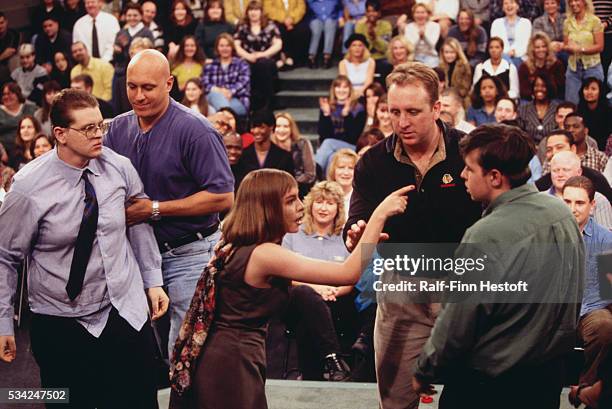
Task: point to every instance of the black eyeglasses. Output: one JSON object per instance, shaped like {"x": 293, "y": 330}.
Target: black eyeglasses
{"x": 91, "y": 131}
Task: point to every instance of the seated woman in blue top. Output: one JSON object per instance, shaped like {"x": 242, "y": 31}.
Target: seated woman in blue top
{"x": 227, "y": 80}
{"x": 312, "y": 306}
{"x": 485, "y": 94}
{"x": 341, "y": 120}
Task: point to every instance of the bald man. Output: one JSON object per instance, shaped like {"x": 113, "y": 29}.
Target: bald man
{"x": 186, "y": 174}
{"x": 566, "y": 164}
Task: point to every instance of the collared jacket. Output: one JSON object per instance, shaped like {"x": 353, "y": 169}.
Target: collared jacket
{"x": 439, "y": 209}
{"x": 275, "y": 10}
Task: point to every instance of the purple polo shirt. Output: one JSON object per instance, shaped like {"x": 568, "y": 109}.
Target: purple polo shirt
{"x": 181, "y": 155}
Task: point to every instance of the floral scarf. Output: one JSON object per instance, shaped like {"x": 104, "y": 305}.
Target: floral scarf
{"x": 197, "y": 322}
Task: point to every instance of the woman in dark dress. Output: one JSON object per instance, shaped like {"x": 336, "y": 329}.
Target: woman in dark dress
{"x": 252, "y": 273}
{"x": 595, "y": 111}
{"x": 211, "y": 26}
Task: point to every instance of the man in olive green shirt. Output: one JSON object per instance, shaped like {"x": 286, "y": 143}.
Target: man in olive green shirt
{"x": 508, "y": 354}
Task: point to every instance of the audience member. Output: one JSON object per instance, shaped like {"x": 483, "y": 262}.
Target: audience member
{"x": 51, "y": 41}
{"x": 314, "y": 310}
{"x": 29, "y": 75}
{"x": 595, "y": 323}
{"x": 551, "y": 24}
{"x": 514, "y": 31}
{"x": 561, "y": 140}
{"x": 258, "y": 41}
{"x": 537, "y": 117}
{"x": 583, "y": 40}
{"x": 563, "y": 109}
{"x": 480, "y": 11}
{"x": 324, "y": 21}
{"x": 498, "y": 67}
{"x": 47, "y": 9}
{"x": 341, "y": 121}
{"x": 50, "y": 90}
{"x": 424, "y": 34}
{"x": 62, "y": 66}
{"x": 595, "y": 111}
{"x": 233, "y": 146}
{"x": 41, "y": 144}
{"x": 528, "y": 9}
{"x": 457, "y": 70}
{"x": 377, "y": 32}
{"x": 97, "y": 31}
{"x": 563, "y": 166}
{"x": 400, "y": 51}
{"x": 73, "y": 11}
{"x": 289, "y": 18}
{"x": 27, "y": 129}
{"x": 188, "y": 62}
{"x": 227, "y": 79}
{"x": 9, "y": 42}
{"x": 505, "y": 110}
{"x": 487, "y": 91}
{"x": 287, "y": 136}
{"x": 14, "y": 107}
{"x": 471, "y": 36}
{"x": 452, "y": 104}
{"x": 357, "y": 64}
{"x": 589, "y": 156}
{"x": 352, "y": 12}
{"x": 371, "y": 95}
{"x": 342, "y": 171}
{"x": 195, "y": 98}
{"x": 182, "y": 23}
{"x": 541, "y": 60}
{"x": 382, "y": 117}
{"x": 149, "y": 12}
{"x": 84, "y": 82}
{"x": 99, "y": 70}
{"x": 211, "y": 26}
{"x": 367, "y": 139}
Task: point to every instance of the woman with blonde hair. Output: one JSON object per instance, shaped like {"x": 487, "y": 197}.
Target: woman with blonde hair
{"x": 583, "y": 39}
{"x": 424, "y": 34}
{"x": 342, "y": 170}
{"x": 541, "y": 58}
{"x": 341, "y": 120}
{"x": 399, "y": 51}
{"x": 287, "y": 136}
{"x": 456, "y": 67}
{"x": 219, "y": 359}
{"x": 357, "y": 65}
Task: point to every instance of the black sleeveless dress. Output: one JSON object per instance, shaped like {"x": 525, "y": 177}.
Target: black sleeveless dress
{"x": 231, "y": 371}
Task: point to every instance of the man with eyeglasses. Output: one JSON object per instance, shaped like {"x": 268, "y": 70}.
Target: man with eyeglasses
{"x": 90, "y": 277}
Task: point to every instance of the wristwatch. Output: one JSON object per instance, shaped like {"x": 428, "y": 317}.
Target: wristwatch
{"x": 155, "y": 214}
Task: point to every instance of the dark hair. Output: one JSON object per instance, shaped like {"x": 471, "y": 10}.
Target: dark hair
{"x": 551, "y": 88}
{"x": 601, "y": 102}
{"x": 263, "y": 117}
{"x": 581, "y": 182}
{"x": 48, "y": 86}
{"x": 375, "y": 4}
{"x": 202, "y": 102}
{"x": 20, "y": 144}
{"x": 188, "y": 17}
{"x": 2, "y": 14}
{"x": 498, "y": 39}
{"x": 255, "y": 5}
{"x": 197, "y": 57}
{"x": 473, "y": 33}
{"x": 37, "y": 137}
{"x": 381, "y": 100}
{"x": 69, "y": 100}
{"x": 505, "y": 148}
{"x": 566, "y": 105}
{"x": 376, "y": 88}
{"x": 85, "y": 79}
{"x": 209, "y": 3}
{"x": 575, "y": 114}
{"x": 14, "y": 88}
{"x": 440, "y": 73}
{"x": 132, "y": 6}
{"x": 230, "y": 110}
{"x": 365, "y": 139}
{"x": 568, "y": 135}
{"x": 477, "y": 101}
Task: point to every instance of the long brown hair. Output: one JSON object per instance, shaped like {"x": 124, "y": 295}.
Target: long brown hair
{"x": 258, "y": 216}
{"x": 340, "y": 79}
{"x": 188, "y": 17}
{"x": 252, "y": 5}
{"x": 198, "y": 57}
{"x": 19, "y": 142}
{"x": 472, "y": 35}
{"x": 202, "y": 102}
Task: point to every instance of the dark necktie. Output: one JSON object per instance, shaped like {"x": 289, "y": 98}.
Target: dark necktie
{"x": 84, "y": 241}
{"x": 95, "y": 49}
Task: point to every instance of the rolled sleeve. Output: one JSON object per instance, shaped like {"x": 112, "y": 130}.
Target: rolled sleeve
{"x": 207, "y": 161}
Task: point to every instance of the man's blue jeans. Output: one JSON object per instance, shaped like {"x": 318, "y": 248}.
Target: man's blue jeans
{"x": 181, "y": 268}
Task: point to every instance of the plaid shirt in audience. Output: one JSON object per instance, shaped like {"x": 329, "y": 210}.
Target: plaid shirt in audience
{"x": 236, "y": 77}
{"x": 594, "y": 159}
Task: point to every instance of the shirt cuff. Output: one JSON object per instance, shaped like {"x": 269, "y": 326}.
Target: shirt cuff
{"x": 6, "y": 327}
{"x": 152, "y": 278}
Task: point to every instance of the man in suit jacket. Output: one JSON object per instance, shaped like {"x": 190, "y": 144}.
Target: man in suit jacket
{"x": 263, "y": 153}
